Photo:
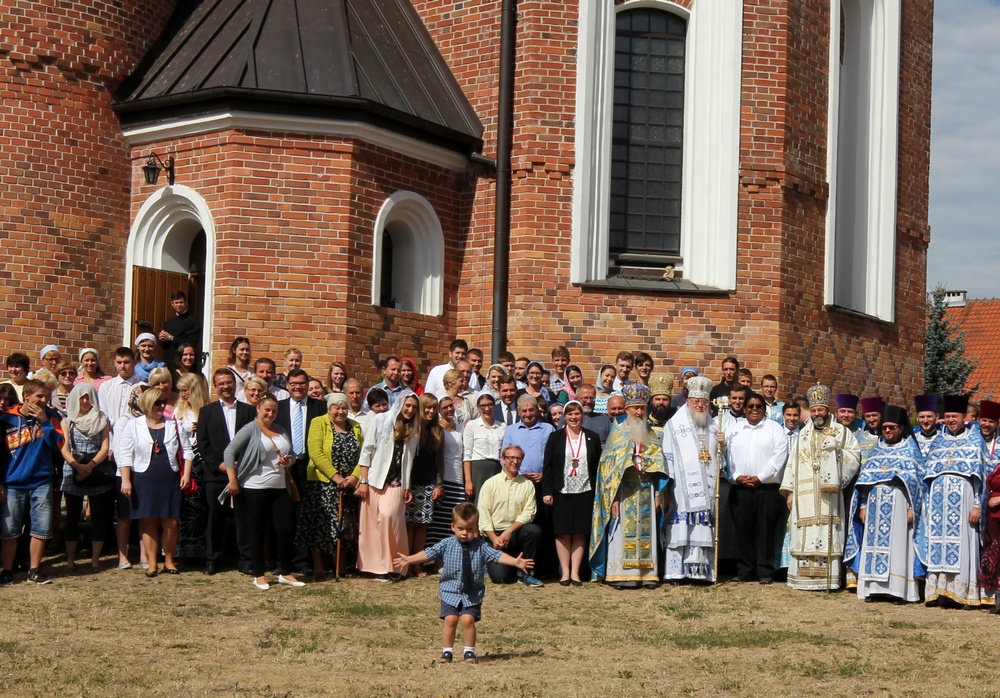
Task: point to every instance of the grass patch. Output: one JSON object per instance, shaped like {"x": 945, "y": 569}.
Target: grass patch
{"x": 902, "y": 625}
{"x": 722, "y": 638}
{"x": 9, "y": 647}
{"x": 686, "y": 609}
{"x": 289, "y": 640}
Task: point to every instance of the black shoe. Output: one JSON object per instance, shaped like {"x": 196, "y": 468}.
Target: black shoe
{"x": 766, "y": 580}
{"x": 304, "y": 571}
{"x": 210, "y": 568}
{"x": 743, "y": 577}
{"x": 36, "y": 576}
{"x": 447, "y": 656}
{"x": 469, "y": 657}
{"x": 6, "y": 578}
{"x": 564, "y": 582}
{"x": 245, "y": 569}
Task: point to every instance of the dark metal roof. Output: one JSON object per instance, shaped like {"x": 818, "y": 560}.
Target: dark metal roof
{"x": 333, "y": 58}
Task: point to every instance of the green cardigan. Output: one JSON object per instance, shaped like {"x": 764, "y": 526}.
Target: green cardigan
{"x": 321, "y": 448}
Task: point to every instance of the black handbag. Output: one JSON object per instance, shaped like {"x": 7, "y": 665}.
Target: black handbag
{"x": 102, "y": 474}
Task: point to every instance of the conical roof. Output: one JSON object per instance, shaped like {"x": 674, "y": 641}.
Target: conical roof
{"x": 332, "y": 58}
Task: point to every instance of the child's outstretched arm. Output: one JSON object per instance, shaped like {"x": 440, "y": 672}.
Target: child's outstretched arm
{"x": 519, "y": 562}
{"x": 415, "y": 559}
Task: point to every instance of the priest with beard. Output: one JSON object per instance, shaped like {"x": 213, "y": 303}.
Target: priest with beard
{"x": 660, "y": 411}
{"x": 885, "y": 515}
{"x": 692, "y": 447}
{"x": 954, "y": 473}
{"x": 989, "y": 415}
{"x": 822, "y": 463}
{"x": 630, "y": 478}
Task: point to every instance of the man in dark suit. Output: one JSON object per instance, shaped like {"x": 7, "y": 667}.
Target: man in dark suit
{"x": 217, "y": 423}
{"x": 295, "y": 415}
{"x": 505, "y": 411}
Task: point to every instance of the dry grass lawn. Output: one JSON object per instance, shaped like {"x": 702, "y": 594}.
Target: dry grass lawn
{"x": 119, "y": 634}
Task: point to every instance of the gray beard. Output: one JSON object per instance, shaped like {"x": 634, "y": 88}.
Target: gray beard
{"x": 820, "y": 423}
{"x": 637, "y": 430}
{"x": 699, "y": 419}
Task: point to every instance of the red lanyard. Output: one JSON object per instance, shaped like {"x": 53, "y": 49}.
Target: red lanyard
{"x": 574, "y": 454}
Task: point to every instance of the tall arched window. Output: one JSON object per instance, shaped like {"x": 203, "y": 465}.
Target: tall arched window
{"x": 656, "y": 174}
{"x": 408, "y": 264}
{"x": 647, "y": 138}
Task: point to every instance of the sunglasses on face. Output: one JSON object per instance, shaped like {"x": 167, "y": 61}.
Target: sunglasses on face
{"x": 160, "y": 403}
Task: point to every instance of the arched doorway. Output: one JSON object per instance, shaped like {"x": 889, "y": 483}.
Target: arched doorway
{"x": 171, "y": 248}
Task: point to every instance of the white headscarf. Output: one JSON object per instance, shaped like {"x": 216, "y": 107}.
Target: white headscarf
{"x": 93, "y": 422}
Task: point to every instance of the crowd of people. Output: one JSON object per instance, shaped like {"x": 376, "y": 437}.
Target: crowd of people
{"x": 622, "y": 480}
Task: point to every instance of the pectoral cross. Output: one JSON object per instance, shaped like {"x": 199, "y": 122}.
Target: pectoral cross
{"x": 704, "y": 456}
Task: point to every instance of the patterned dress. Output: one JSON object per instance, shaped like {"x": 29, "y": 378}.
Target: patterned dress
{"x": 318, "y": 525}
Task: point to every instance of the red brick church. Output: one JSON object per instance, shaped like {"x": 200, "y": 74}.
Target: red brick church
{"x": 692, "y": 178}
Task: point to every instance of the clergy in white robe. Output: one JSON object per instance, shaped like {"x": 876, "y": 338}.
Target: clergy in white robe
{"x": 823, "y": 462}
{"x": 691, "y": 451}
{"x": 885, "y": 515}
{"x": 954, "y": 472}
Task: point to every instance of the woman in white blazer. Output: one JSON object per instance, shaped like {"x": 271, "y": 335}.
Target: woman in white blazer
{"x": 154, "y": 459}
{"x": 386, "y": 461}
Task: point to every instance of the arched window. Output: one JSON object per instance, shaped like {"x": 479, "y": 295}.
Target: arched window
{"x": 647, "y": 138}
{"x": 862, "y": 156}
{"x": 408, "y": 268}
{"x": 656, "y": 175}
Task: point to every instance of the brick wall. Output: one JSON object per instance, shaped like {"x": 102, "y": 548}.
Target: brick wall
{"x": 64, "y": 174}
{"x": 294, "y": 219}
{"x": 775, "y": 321}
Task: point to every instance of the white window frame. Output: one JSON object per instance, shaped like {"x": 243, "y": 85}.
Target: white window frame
{"x": 875, "y": 296}
{"x": 710, "y": 174}
{"x": 417, "y": 217}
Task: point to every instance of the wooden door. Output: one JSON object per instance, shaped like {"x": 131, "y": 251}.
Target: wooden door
{"x": 151, "y": 291}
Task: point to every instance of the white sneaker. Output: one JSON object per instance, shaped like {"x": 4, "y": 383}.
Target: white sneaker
{"x": 290, "y": 582}
{"x": 263, "y": 587}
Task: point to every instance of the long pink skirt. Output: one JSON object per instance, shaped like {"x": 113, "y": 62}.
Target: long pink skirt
{"x": 382, "y": 533}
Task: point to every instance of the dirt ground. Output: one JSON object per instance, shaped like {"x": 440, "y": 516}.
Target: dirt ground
{"x": 118, "y": 634}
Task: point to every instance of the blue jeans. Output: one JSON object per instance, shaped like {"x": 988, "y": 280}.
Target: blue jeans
{"x": 39, "y": 503}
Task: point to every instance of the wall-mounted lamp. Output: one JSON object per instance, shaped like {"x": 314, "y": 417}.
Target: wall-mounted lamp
{"x": 153, "y": 167}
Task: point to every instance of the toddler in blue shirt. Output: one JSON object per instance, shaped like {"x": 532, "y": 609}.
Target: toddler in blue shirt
{"x": 463, "y": 576}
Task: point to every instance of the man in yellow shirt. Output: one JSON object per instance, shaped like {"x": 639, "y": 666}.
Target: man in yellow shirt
{"x": 506, "y": 511}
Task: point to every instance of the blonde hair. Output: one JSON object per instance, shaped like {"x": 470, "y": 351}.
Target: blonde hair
{"x": 197, "y": 396}
{"x": 159, "y": 374}
{"x": 147, "y": 399}
{"x": 430, "y": 432}
{"x": 450, "y": 376}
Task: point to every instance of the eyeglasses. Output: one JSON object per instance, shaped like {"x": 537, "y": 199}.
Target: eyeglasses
{"x": 486, "y": 406}
{"x": 297, "y": 385}
{"x": 67, "y": 373}
{"x": 890, "y": 427}
{"x": 754, "y": 407}
{"x": 160, "y": 403}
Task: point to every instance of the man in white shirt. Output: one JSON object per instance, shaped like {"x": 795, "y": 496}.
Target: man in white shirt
{"x": 265, "y": 370}
{"x": 477, "y": 383}
{"x": 757, "y": 448}
{"x": 457, "y": 351}
{"x": 114, "y": 395}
